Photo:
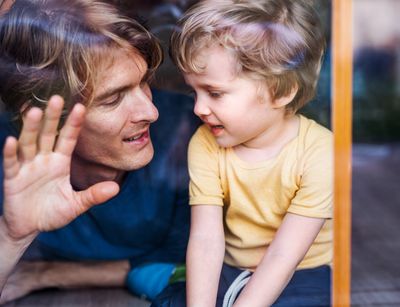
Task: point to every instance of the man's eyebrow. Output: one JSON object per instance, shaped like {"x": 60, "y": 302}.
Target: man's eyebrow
{"x": 112, "y": 91}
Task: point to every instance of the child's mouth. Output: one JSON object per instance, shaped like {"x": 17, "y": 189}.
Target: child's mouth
{"x": 216, "y": 129}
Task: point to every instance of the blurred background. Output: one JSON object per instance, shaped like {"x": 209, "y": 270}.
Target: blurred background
{"x": 376, "y": 132}
{"x": 376, "y": 154}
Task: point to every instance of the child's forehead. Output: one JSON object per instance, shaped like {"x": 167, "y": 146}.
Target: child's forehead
{"x": 216, "y": 56}
{"x": 219, "y": 67}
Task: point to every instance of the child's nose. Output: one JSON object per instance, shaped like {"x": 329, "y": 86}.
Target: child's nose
{"x": 201, "y": 108}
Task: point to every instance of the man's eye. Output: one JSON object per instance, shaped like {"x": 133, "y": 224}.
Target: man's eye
{"x": 113, "y": 100}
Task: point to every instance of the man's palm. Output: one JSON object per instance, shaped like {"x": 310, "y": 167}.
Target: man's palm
{"x": 38, "y": 195}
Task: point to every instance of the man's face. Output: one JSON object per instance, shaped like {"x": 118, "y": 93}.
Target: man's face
{"x": 115, "y": 134}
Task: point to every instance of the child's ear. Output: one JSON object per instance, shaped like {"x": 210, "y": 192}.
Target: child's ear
{"x": 285, "y": 100}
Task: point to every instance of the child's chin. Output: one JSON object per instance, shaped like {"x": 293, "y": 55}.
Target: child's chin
{"x": 223, "y": 142}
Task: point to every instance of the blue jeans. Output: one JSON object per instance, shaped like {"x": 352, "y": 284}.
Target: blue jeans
{"x": 308, "y": 287}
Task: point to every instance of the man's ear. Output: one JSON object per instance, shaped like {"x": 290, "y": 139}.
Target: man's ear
{"x": 283, "y": 101}
{"x": 24, "y": 108}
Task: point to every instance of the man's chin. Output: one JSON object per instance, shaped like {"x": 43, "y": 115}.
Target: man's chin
{"x": 141, "y": 160}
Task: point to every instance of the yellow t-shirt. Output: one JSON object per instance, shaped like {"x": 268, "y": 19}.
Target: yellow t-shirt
{"x": 256, "y": 196}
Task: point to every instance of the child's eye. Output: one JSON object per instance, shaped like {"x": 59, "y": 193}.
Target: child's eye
{"x": 215, "y": 94}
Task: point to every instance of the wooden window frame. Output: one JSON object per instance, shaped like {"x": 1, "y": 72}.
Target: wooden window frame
{"x": 342, "y": 64}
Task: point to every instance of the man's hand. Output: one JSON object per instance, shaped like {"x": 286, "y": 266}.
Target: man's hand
{"x": 38, "y": 195}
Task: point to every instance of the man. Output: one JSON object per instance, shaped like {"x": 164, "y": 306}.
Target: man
{"x": 100, "y": 63}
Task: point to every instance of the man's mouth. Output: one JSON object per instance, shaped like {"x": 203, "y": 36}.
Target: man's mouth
{"x": 137, "y": 137}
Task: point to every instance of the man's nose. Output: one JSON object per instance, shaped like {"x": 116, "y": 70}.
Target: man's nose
{"x": 142, "y": 107}
{"x": 201, "y": 107}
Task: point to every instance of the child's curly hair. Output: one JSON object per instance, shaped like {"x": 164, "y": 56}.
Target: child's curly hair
{"x": 280, "y": 42}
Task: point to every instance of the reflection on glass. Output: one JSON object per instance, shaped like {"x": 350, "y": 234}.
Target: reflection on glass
{"x": 154, "y": 193}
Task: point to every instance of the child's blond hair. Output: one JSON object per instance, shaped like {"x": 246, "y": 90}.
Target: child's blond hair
{"x": 279, "y": 42}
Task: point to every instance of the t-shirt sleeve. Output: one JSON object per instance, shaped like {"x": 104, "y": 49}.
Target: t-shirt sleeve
{"x": 314, "y": 197}
{"x": 203, "y": 159}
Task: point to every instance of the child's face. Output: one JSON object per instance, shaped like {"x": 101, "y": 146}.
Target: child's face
{"x": 234, "y": 108}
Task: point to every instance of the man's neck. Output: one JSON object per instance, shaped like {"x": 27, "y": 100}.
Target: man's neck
{"x": 85, "y": 173}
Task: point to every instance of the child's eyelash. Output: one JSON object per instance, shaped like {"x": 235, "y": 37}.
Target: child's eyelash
{"x": 215, "y": 94}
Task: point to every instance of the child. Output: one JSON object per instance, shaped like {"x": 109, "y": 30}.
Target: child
{"x": 261, "y": 176}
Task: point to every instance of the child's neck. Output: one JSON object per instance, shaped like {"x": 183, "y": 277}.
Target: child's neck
{"x": 271, "y": 143}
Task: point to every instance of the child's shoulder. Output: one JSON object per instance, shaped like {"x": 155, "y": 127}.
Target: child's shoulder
{"x": 313, "y": 135}
{"x": 313, "y": 131}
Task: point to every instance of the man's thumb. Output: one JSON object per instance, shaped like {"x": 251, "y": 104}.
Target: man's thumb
{"x": 97, "y": 194}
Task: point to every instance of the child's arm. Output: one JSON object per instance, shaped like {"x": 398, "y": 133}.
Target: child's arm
{"x": 205, "y": 255}
{"x": 292, "y": 241}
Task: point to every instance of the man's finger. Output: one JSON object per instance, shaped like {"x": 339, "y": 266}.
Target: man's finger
{"x": 28, "y": 139}
{"x": 50, "y": 124}
{"x": 10, "y": 160}
{"x": 69, "y": 133}
{"x": 96, "y": 194}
